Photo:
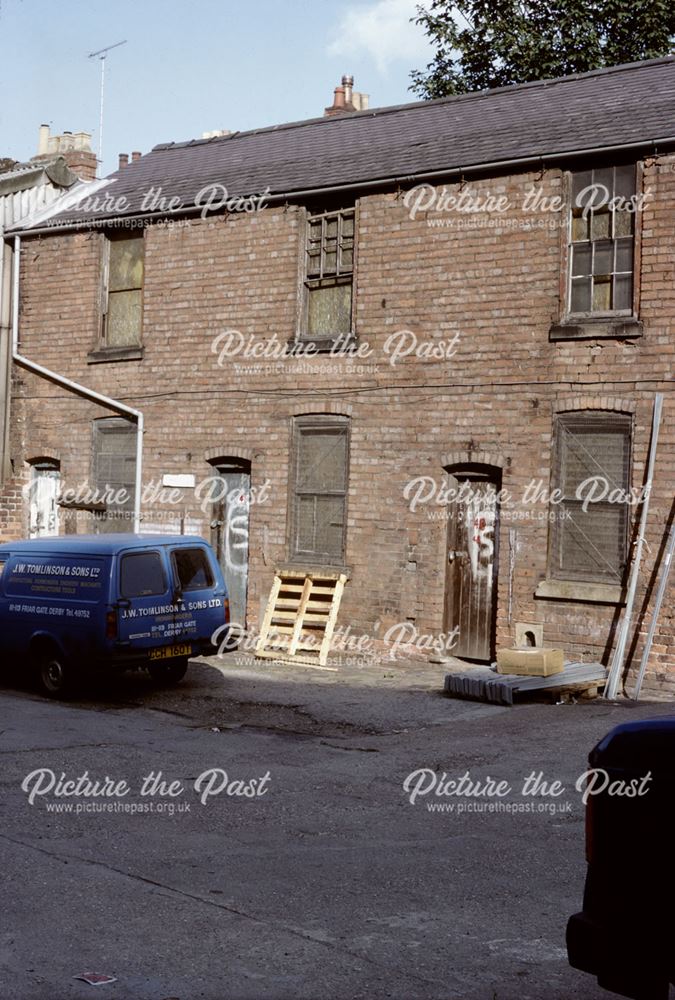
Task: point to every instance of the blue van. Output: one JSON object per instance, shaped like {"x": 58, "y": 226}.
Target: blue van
{"x": 79, "y": 603}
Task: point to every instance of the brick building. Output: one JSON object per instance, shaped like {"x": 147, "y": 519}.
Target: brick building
{"x": 347, "y": 319}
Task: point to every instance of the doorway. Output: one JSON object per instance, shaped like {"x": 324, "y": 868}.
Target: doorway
{"x": 45, "y": 486}
{"x": 229, "y": 531}
{"x": 471, "y": 562}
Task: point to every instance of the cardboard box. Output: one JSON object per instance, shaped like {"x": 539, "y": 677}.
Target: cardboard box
{"x": 536, "y": 662}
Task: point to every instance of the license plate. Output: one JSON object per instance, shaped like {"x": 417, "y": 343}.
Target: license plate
{"x": 168, "y": 652}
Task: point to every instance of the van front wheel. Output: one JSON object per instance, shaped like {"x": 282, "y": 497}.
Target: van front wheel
{"x": 169, "y": 671}
{"x": 54, "y": 674}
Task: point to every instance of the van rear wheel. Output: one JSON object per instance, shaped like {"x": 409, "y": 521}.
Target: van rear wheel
{"x": 54, "y": 674}
{"x": 169, "y": 671}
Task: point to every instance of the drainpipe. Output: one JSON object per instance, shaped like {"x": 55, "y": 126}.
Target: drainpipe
{"x": 80, "y": 390}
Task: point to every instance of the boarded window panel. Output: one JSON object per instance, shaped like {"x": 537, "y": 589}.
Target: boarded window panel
{"x": 320, "y": 491}
{"x": 623, "y": 223}
{"x": 588, "y": 453}
{"x": 123, "y": 322}
{"x": 126, "y": 264}
{"x": 329, "y": 525}
{"x": 581, "y": 227}
{"x": 305, "y": 530}
{"x": 602, "y": 295}
{"x": 591, "y": 541}
{"x": 329, "y": 310}
{"x": 600, "y": 225}
{"x": 114, "y": 471}
{"x": 593, "y": 465}
{"x": 322, "y": 465}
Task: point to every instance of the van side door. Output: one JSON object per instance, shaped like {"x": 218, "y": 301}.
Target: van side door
{"x": 144, "y": 599}
{"x": 202, "y": 593}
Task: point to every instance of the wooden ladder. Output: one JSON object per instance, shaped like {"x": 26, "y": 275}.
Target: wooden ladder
{"x": 300, "y": 618}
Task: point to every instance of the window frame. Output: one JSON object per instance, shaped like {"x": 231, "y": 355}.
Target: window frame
{"x": 115, "y": 352}
{"x": 595, "y": 323}
{"x": 135, "y": 555}
{"x": 302, "y": 334}
{"x": 101, "y": 427}
{"x": 209, "y": 585}
{"x": 299, "y": 424}
{"x": 602, "y": 419}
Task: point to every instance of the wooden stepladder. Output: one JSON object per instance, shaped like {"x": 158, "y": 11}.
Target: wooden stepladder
{"x": 300, "y": 617}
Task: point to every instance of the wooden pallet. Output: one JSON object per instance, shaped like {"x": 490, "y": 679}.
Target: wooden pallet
{"x": 300, "y": 618}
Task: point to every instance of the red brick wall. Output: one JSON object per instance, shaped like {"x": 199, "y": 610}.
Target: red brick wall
{"x": 496, "y": 286}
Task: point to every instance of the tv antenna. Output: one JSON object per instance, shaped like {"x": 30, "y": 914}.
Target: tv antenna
{"x": 102, "y": 54}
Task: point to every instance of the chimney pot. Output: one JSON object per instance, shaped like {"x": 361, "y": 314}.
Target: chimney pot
{"x": 43, "y": 141}
{"x": 135, "y": 156}
{"x": 124, "y": 159}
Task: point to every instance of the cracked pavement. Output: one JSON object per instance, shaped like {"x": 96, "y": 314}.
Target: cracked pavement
{"x": 329, "y": 885}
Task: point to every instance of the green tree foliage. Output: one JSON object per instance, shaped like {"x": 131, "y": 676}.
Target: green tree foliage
{"x": 493, "y": 43}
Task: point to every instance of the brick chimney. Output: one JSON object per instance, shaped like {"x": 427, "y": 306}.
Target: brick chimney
{"x": 346, "y": 100}
{"x": 74, "y": 147}
{"x": 124, "y": 160}
{"x": 135, "y": 156}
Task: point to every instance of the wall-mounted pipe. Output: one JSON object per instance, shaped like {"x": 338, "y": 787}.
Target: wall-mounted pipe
{"x": 75, "y": 387}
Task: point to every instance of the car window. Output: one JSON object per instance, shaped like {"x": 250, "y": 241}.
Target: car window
{"x": 192, "y": 569}
{"x": 3, "y": 560}
{"x": 142, "y": 575}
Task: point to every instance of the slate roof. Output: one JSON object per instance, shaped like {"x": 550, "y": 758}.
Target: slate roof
{"x": 633, "y": 104}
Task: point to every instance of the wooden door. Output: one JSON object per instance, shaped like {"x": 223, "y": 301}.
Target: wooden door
{"x": 471, "y": 567}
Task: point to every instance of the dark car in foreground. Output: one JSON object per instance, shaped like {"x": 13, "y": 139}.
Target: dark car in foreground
{"x": 624, "y": 934}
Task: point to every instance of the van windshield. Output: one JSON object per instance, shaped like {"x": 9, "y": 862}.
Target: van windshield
{"x": 142, "y": 575}
{"x": 192, "y": 569}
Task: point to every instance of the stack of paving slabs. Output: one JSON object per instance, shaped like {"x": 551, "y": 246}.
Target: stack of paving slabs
{"x": 300, "y": 618}
{"x": 529, "y": 660}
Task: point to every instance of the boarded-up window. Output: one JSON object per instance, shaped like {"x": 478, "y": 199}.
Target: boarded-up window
{"x": 589, "y": 527}
{"x": 124, "y": 292}
{"x": 329, "y": 270}
{"x": 319, "y": 500}
{"x": 602, "y": 233}
{"x": 115, "y": 473}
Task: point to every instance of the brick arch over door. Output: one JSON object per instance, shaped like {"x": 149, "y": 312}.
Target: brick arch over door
{"x": 44, "y": 455}
{"x": 462, "y": 459}
{"x": 218, "y": 454}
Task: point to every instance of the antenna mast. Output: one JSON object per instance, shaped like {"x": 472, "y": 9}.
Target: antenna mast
{"x": 102, "y": 53}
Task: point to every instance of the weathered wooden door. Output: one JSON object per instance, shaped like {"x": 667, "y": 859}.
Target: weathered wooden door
{"x": 471, "y": 566}
{"x": 229, "y": 536}
{"x": 44, "y": 492}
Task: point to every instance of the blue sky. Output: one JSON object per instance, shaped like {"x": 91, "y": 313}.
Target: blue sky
{"x": 193, "y": 65}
